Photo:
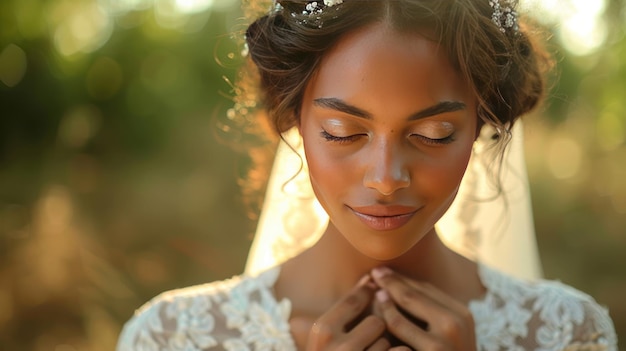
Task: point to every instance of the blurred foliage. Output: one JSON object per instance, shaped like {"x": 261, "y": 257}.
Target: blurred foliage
{"x": 116, "y": 185}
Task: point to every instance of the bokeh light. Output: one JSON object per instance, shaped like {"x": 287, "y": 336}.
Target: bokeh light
{"x": 581, "y": 28}
{"x": 79, "y": 27}
{"x": 564, "y": 158}
{"x": 584, "y": 30}
{"x": 13, "y": 65}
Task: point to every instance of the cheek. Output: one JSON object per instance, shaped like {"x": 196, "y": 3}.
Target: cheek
{"x": 442, "y": 175}
{"x": 325, "y": 171}
{"x": 334, "y": 176}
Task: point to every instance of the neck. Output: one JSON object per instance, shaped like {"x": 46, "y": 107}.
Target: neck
{"x": 428, "y": 260}
{"x": 333, "y": 266}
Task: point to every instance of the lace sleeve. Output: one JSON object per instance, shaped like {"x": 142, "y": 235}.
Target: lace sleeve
{"x": 596, "y": 332}
{"x": 132, "y": 330}
{"x": 540, "y": 315}
{"x": 567, "y": 319}
{"x": 239, "y": 314}
{"x": 171, "y": 322}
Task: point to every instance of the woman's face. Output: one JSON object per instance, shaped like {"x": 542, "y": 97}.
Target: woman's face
{"x": 388, "y": 128}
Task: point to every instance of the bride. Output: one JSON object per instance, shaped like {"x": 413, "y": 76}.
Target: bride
{"x": 398, "y": 108}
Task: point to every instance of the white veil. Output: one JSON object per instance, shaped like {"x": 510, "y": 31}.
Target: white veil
{"x": 495, "y": 229}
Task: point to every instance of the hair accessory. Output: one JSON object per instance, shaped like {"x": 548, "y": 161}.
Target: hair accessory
{"x": 504, "y": 15}
{"x": 276, "y": 7}
{"x": 314, "y": 7}
{"x": 312, "y": 12}
{"x": 331, "y": 3}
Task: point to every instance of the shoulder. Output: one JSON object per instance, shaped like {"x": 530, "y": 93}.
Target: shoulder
{"x": 233, "y": 314}
{"x": 542, "y": 314}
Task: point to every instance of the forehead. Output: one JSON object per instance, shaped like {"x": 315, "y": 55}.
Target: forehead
{"x": 384, "y": 66}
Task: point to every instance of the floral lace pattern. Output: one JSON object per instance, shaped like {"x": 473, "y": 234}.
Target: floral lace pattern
{"x": 242, "y": 314}
{"x": 542, "y": 316}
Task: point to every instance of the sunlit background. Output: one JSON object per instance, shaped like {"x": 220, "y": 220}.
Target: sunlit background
{"x": 115, "y": 184}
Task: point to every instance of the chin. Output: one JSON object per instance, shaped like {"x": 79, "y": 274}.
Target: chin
{"x": 382, "y": 250}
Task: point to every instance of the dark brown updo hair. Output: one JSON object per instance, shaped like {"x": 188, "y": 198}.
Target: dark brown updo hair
{"x": 504, "y": 66}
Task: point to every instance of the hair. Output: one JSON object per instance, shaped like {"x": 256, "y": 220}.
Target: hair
{"x": 505, "y": 69}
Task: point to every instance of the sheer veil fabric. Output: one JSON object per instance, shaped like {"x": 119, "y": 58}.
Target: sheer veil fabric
{"x": 487, "y": 225}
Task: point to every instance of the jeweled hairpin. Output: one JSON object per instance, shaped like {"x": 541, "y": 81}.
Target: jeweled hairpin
{"x": 504, "y": 15}
{"x": 316, "y": 6}
{"x": 311, "y": 14}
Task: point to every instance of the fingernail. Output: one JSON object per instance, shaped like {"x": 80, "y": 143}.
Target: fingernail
{"x": 364, "y": 280}
{"x": 382, "y": 296}
{"x": 380, "y": 272}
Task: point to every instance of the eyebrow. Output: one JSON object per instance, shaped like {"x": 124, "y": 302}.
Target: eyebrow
{"x": 342, "y": 106}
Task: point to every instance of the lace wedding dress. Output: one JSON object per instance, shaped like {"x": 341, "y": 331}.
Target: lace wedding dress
{"x": 242, "y": 314}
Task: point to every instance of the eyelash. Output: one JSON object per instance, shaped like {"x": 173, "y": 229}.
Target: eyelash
{"x": 342, "y": 140}
{"x": 443, "y": 141}
{"x": 337, "y": 139}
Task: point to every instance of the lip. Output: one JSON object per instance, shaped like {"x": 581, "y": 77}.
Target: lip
{"x": 384, "y": 218}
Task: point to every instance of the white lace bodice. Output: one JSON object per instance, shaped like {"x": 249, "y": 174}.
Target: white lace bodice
{"x": 242, "y": 314}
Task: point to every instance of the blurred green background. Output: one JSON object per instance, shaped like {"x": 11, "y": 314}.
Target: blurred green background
{"x": 115, "y": 183}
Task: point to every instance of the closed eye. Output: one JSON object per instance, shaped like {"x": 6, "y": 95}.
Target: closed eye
{"x": 434, "y": 141}
{"x": 340, "y": 139}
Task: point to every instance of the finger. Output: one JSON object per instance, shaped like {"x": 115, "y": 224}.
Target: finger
{"x": 366, "y": 333}
{"x": 350, "y": 306}
{"x": 455, "y": 320}
{"x": 300, "y": 328}
{"x": 333, "y": 324}
{"x": 410, "y": 299}
{"x": 381, "y": 344}
{"x": 435, "y": 294}
{"x": 360, "y": 337}
{"x": 448, "y": 317}
{"x": 400, "y": 326}
{"x": 445, "y": 316}
{"x": 376, "y": 308}
{"x": 400, "y": 348}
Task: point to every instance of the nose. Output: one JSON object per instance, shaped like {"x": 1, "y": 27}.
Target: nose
{"x": 387, "y": 170}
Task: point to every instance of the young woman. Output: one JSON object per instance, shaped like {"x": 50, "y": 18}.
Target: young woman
{"x": 389, "y": 98}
